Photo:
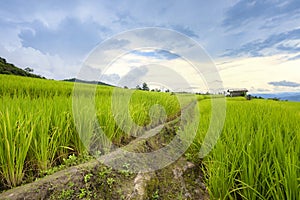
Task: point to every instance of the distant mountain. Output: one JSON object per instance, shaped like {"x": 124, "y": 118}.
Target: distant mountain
{"x": 89, "y": 82}
{"x": 290, "y": 96}
{"x": 8, "y": 68}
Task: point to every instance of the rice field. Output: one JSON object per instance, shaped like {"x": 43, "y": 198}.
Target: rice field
{"x": 256, "y": 157}
{"x": 37, "y": 129}
{"x": 258, "y": 153}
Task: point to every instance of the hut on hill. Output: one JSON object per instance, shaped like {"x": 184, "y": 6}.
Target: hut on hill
{"x": 240, "y": 92}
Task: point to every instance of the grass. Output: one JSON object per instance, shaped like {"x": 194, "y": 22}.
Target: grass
{"x": 256, "y": 156}
{"x": 16, "y": 131}
{"x": 38, "y": 129}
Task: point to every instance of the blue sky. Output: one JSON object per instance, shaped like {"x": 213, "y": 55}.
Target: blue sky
{"x": 254, "y": 44}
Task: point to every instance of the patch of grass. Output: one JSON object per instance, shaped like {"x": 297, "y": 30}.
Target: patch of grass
{"x": 87, "y": 177}
{"x": 257, "y": 155}
{"x": 66, "y": 194}
{"x": 155, "y": 195}
{"x": 16, "y": 131}
{"x": 125, "y": 171}
{"x": 38, "y": 131}
{"x": 110, "y": 182}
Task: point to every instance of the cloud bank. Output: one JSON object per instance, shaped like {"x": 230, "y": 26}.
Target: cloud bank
{"x": 285, "y": 83}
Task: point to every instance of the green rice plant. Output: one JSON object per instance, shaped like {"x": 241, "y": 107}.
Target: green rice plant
{"x": 61, "y": 133}
{"x": 15, "y": 86}
{"x": 52, "y": 136}
{"x": 40, "y": 150}
{"x": 257, "y": 155}
{"x": 16, "y": 130}
{"x": 130, "y": 113}
{"x": 85, "y": 123}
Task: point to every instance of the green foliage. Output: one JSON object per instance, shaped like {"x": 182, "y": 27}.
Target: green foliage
{"x": 257, "y": 155}
{"x": 38, "y": 130}
{"x": 155, "y": 195}
{"x": 7, "y": 68}
{"x": 87, "y": 177}
{"x": 83, "y": 193}
{"x": 28, "y": 69}
{"x": 66, "y": 194}
{"x": 16, "y": 131}
{"x": 125, "y": 171}
{"x": 145, "y": 87}
{"x": 110, "y": 181}
{"x": 104, "y": 172}
{"x": 71, "y": 160}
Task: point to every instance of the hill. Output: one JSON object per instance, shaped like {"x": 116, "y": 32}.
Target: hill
{"x": 290, "y": 96}
{"x": 11, "y": 69}
{"x": 89, "y": 82}
{"x": 293, "y": 98}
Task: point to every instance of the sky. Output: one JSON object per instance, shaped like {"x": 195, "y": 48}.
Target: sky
{"x": 253, "y": 44}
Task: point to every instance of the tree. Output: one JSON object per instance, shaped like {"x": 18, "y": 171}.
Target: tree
{"x": 145, "y": 87}
{"x": 28, "y": 69}
{"x": 2, "y": 60}
{"x": 138, "y": 87}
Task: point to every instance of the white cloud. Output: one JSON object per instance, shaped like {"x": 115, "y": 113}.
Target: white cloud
{"x": 9, "y": 38}
{"x": 43, "y": 64}
{"x": 256, "y": 72}
{"x": 176, "y": 74}
{"x": 70, "y": 29}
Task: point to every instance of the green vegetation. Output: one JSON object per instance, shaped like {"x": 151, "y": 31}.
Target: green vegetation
{"x": 37, "y": 127}
{"x": 256, "y": 157}
{"x": 8, "y": 68}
